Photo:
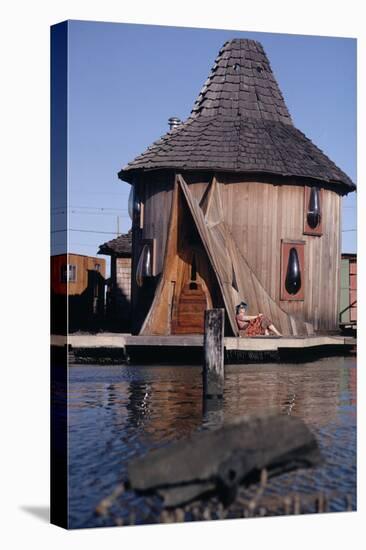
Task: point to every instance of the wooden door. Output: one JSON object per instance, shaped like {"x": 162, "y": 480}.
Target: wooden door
{"x": 190, "y": 311}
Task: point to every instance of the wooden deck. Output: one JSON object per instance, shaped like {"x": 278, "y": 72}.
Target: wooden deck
{"x": 258, "y": 343}
{"x": 114, "y": 348}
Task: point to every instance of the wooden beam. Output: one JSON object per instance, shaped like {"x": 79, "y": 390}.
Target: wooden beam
{"x": 213, "y": 367}
{"x": 219, "y": 460}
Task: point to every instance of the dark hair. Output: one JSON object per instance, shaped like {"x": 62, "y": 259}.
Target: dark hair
{"x": 242, "y": 304}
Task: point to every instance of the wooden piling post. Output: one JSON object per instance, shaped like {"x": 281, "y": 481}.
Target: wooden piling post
{"x": 213, "y": 367}
{"x": 213, "y": 412}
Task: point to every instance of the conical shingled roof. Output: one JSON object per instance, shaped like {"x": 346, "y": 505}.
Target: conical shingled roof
{"x": 240, "y": 123}
{"x": 241, "y": 83}
{"x": 121, "y": 246}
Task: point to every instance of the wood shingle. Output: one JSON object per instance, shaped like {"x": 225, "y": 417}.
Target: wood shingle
{"x": 121, "y": 246}
{"x": 240, "y": 123}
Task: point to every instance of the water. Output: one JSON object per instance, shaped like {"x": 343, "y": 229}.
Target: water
{"x": 119, "y": 412}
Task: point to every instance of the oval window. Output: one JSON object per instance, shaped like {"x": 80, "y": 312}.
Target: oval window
{"x": 314, "y": 214}
{"x": 144, "y": 265}
{"x": 133, "y": 203}
{"x": 293, "y": 274}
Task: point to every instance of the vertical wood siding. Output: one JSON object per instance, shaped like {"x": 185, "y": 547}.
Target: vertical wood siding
{"x": 155, "y": 192}
{"x": 259, "y": 215}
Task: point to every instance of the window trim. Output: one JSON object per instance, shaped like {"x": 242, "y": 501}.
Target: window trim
{"x": 67, "y": 279}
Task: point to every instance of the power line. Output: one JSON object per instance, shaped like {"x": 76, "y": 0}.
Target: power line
{"x": 103, "y": 193}
{"x": 110, "y": 214}
{"x": 115, "y": 232}
{"x": 88, "y": 245}
{"x": 95, "y": 207}
{"x": 103, "y": 208}
{"x": 84, "y": 231}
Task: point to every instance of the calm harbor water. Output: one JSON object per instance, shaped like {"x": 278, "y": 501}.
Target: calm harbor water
{"x": 119, "y": 412}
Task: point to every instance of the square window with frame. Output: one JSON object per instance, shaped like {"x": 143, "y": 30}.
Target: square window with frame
{"x": 68, "y": 273}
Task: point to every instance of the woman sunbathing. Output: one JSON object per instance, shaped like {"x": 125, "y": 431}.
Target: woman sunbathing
{"x": 253, "y": 325}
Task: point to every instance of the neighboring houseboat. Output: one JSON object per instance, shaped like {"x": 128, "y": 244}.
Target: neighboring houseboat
{"x": 82, "y": 280}
{"x": 236, "y": 204}
{"x": 118, "y": 307}
{"x": 348, "y": 304}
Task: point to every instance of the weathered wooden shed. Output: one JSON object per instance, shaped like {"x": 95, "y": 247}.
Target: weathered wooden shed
{"x": 236, "y": 204}
{"x": 348, "y": 301}
{"x": 118, "y": 306}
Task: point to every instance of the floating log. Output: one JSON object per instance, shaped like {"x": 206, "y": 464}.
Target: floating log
{"x": 219, "y": 460}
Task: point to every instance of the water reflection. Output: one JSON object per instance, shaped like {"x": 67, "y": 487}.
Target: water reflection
{"x": 167, "y": 406}
{"x": 116, "y": 413}
{"x": 213, "y": 412}
{"x": 311, "y": 391}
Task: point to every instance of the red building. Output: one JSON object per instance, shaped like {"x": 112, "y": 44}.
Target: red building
{"x": 81, "y": 280}
{"x": 348, "y": 298}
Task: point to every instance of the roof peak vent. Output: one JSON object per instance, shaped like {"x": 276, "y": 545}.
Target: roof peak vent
{"x": 173, "y": 122}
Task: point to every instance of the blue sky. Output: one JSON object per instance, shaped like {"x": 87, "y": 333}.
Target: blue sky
{"x": 125, "y": 81}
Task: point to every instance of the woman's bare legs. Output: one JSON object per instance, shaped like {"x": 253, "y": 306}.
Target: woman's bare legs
{"x": 273, "y": 329}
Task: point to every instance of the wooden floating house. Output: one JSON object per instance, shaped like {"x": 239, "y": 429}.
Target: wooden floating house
{"x": 235, "y": 204}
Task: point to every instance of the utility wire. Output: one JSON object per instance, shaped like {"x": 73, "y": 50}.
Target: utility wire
{"x": 110, "y": 214}
{"x": 87, "y": 208}
{"x": 88, "y": 245}
{"x": 115, "y": 232}
{"x": 85, "y": 231}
